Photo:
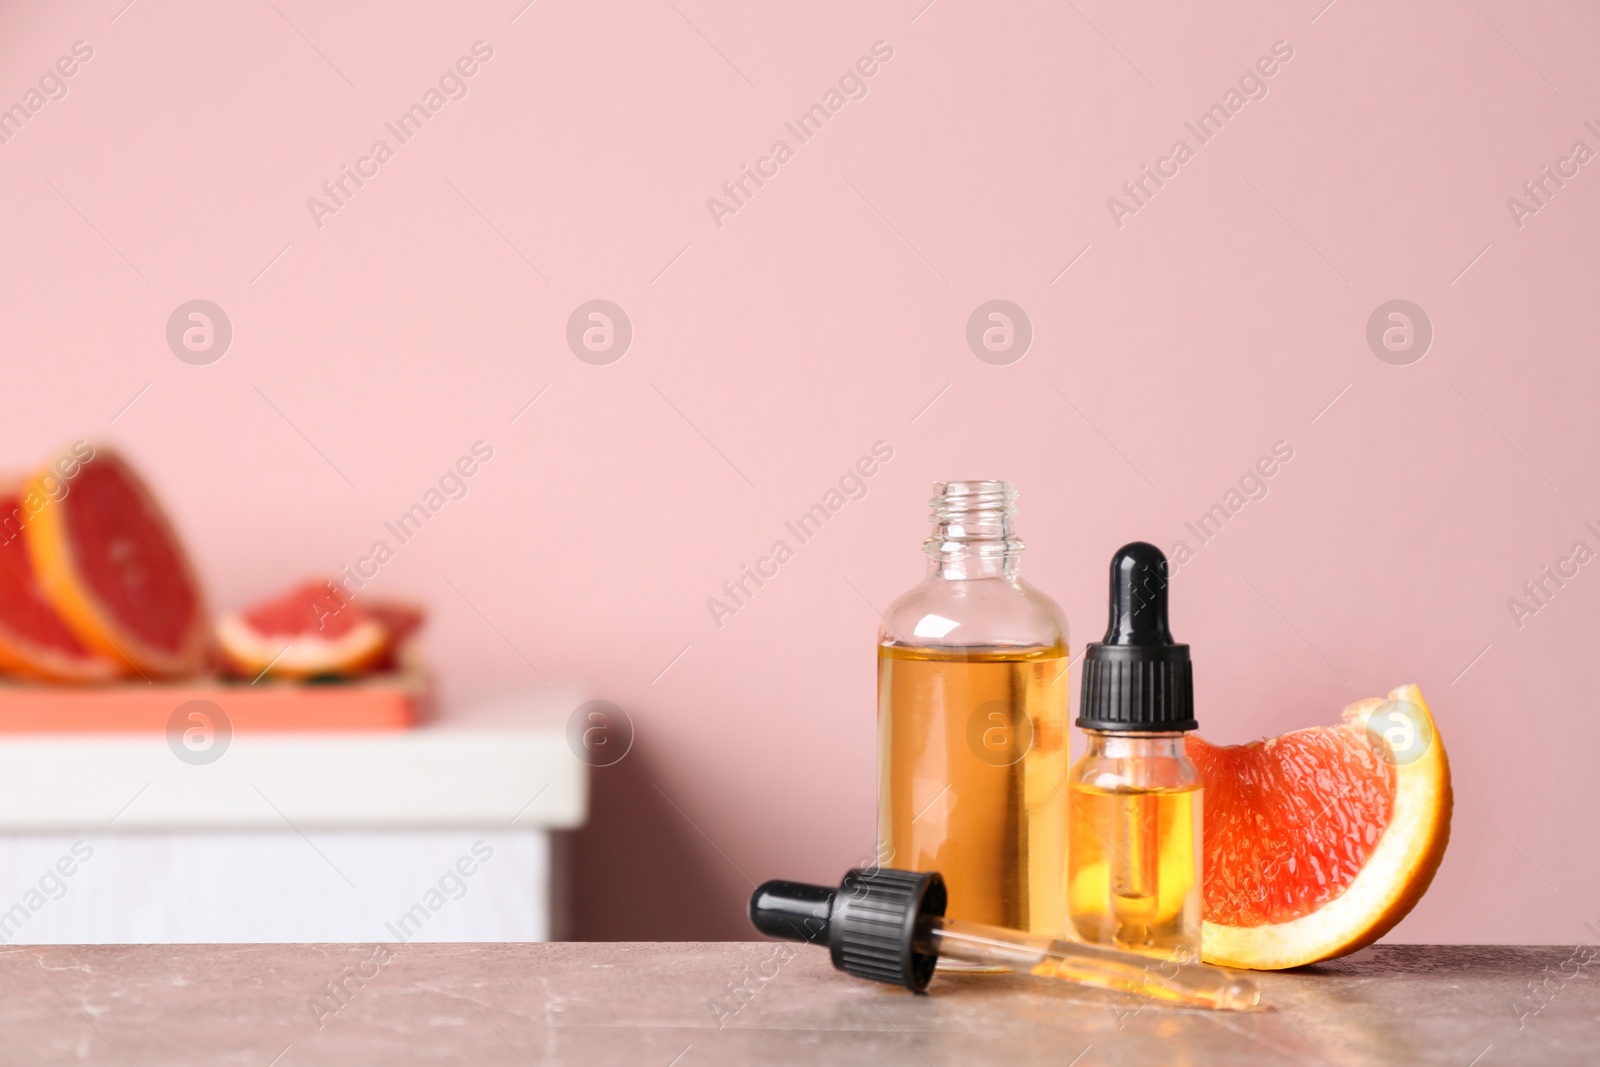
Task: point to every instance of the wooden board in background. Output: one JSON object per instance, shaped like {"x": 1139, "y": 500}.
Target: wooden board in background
{"x": 382, "y": 702}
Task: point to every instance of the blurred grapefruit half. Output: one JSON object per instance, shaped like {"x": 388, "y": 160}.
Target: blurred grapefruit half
{"x": 113, "y": 568}
{"x": 1319, "y": 841}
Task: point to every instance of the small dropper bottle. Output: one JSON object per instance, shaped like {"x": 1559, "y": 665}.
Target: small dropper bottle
{"x": 1134, "y": 800}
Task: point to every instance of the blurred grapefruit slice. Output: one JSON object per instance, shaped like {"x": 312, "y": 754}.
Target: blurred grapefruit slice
{"x": 114, "y": 570}
{"x": 33, "y": 639}
{"x": 1319, "y": 841}
{"x": 314, "y": 629}
{"x": 402, "y": 620}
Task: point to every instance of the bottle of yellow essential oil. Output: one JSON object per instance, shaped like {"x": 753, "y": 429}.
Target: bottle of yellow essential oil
{"x": 1134, "y": 799}
{"x": 972, "y": 720}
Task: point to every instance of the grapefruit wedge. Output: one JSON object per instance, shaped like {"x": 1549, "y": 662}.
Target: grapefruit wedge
{"x": 33, "y": 639}
{"x": 314, "y": 629}
{"x": 1319, "y": 841}
{"x": 113, "y": 568}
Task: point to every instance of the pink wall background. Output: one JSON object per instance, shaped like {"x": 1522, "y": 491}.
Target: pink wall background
{"x": 828, "y": 313}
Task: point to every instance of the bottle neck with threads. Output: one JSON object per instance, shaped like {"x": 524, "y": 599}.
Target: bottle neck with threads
{"x": 974, "y": 534}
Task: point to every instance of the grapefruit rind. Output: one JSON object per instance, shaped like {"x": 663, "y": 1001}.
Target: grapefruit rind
{"x": 46, "y": 665}
{"x": 20, "y": 653}
{"x": 51, "y": 550}
{"x": 1392, "y": 881}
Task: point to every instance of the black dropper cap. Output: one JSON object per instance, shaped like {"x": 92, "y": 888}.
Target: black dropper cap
{"x": 871, "y": 923}
{"x": 1138, "y": 680}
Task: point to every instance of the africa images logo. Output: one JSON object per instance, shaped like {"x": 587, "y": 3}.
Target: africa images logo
{"x": 852, "y": 85}
{"x": 452, "y": 85}
{"x": 1252, "y": 85}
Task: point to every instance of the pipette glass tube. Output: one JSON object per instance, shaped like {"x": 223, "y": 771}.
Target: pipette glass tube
{"x": 1195, "y": 985}
{"x": 890, "y": 926}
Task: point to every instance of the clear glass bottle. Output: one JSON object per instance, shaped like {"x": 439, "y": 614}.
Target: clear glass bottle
{"x": 972, "y": 720}
{"x": 1135, "y": 803}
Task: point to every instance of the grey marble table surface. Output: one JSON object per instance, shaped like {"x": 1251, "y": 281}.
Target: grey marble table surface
{"x": 692, "y": 1004}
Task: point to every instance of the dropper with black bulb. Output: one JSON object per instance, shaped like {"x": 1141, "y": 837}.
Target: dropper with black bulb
{"x": 890, "y": 926}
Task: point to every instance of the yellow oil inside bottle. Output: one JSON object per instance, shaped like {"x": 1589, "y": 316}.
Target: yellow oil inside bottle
{"x": 972, "y": 750}
{"x": 1134, "y": 874}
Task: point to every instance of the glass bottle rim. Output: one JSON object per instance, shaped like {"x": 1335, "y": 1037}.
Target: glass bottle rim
{"x": 973, "y": 497}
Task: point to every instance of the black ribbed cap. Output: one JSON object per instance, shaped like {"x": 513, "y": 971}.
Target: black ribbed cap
{"x": 870, "y": 923}
{"x": 1138, "y": 680}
